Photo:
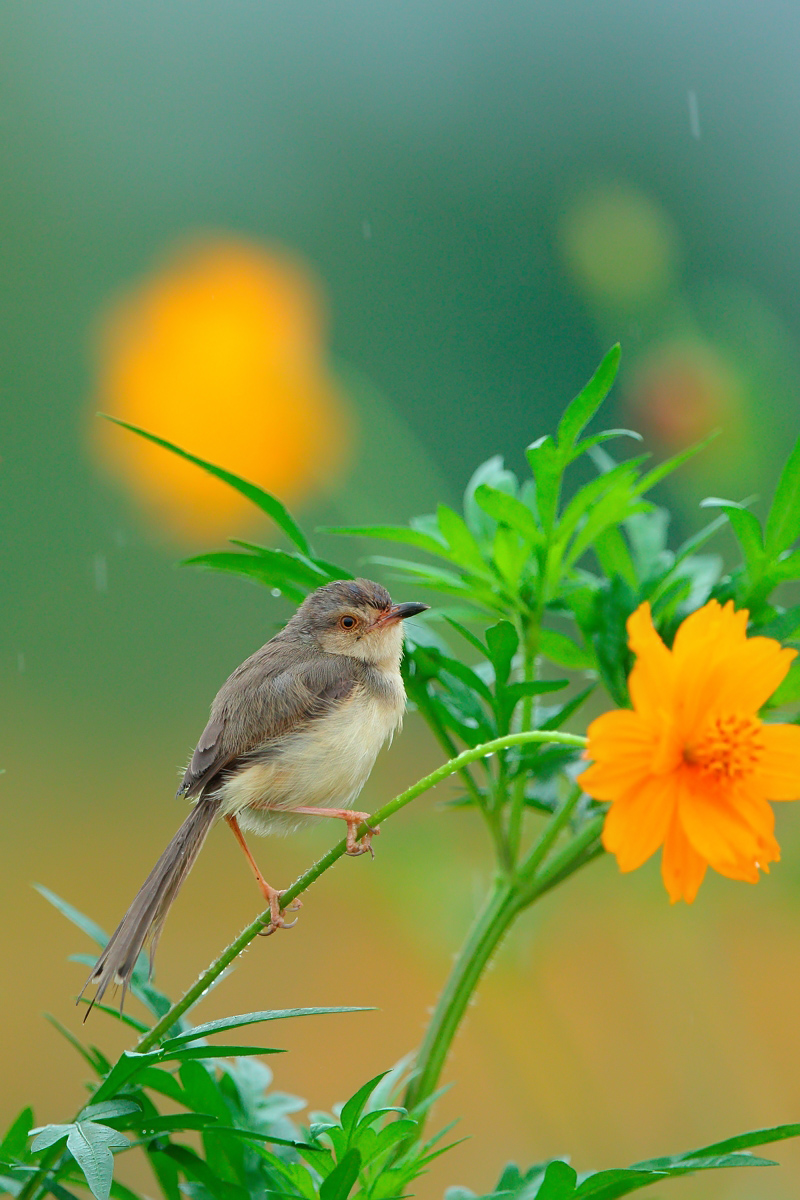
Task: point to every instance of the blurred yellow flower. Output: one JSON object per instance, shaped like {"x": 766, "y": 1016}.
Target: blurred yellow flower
{"x": 692, "y": 767}
{"x": 223, "y": 352}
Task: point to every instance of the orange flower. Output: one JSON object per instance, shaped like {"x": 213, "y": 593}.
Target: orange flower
{"x": 222, "y": 350}
{"x": 692, "y": 767}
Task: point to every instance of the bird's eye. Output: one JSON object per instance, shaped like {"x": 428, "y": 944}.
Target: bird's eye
{"x": 348, "y": 622}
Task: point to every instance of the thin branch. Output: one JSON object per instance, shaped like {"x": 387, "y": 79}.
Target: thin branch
{"x": 163, "y": 1027}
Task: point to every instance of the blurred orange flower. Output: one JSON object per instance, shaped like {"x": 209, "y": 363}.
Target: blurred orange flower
{"x": 692, "y": 767}
{"x": 223, "y": 352}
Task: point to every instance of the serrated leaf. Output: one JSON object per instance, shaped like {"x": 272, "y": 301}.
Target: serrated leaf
{"x": 502, "y": 641}
{"x": 580, "y": 411}
{"x": 253, "y": 1018}
{"x": 783, "y": 522}
{"x": 268, "y": 503}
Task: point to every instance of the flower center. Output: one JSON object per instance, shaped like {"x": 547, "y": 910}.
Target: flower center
{"x": 730, "y": 747}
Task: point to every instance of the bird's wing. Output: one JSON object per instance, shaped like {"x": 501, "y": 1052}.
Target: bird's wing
{"x": 256, "y": 707}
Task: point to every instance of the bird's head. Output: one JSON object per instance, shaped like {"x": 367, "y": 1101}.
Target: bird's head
{"x": 356, "y": 617}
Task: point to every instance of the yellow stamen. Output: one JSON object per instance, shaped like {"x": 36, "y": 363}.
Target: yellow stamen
{"x": 729, "y": 748}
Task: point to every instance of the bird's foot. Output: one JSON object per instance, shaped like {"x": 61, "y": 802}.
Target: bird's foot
{"x": 356, "y": 845}
{"x": 277, "y": 919}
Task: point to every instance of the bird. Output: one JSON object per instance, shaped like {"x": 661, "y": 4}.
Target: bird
{"x": 293, "y": 734}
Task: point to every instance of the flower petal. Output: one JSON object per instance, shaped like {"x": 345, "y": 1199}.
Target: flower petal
{"x": 719, "y": 829}
{"x": 650, "y": 681}
{"x": 637, "y": 824}
{"x": 682, "y": 868}
{"x": 778, "y": 773}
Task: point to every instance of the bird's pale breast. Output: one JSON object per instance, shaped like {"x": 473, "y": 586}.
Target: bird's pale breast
{"x": 324, "y": 765}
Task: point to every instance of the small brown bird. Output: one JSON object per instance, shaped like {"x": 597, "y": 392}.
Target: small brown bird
{"x": 294, "y": 731}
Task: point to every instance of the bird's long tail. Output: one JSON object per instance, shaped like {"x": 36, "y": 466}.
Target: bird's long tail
{"x": 145, "y": 918}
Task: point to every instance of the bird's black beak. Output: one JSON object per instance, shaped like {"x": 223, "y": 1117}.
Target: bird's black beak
{"x": 399, "y": 612}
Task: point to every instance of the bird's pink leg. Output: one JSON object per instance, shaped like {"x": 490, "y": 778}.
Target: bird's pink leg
{"x": 353, "y": 819}
{"x": 270, "y": 894}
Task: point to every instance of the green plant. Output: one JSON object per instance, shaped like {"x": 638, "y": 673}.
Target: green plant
{"x": 538, "y": 585}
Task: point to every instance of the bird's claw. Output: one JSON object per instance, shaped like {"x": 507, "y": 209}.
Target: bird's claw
{"x": 276, "y": 914}
{"x": 356, "y": 845}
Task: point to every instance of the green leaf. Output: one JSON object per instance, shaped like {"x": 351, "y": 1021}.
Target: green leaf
{"x": 547, "y": 466}
{"x": 742, "y": 1141}
{"x": 503, "y": 642}
{"x": 123, "y": 1017}
{"x": 597, "y": 440}
{"x": 355, "y": 1106}
{"x": 108, "y": 1109}
{"x": 747, "y": 529}
{"x": 341, "y": 1179}
{"x": 462, "y": 546}
{"x": 194, "y": 1167}
{"x": 511, "y": 554}
{"x": 467, "y": 635}
{"x": 251, "y": 566}
{"x": 263, "y": 500}
{"x": 252, "y": 1018}
{"x": 581, "y": 410}
{"x": 15, "y": 1139}
{"x": 97, "y": 1061}
{"x": 77, "y": 918}
{"x": 391, "y": 533}
{"x": 184, "y": 1053}
{"x": 783, "y": 522}
{"x": 494, "y": 474}
{"x": 91, "y": 1146}
{"x": 510, "y": 511}
{"x": 562, "y": 650}
{"x": 666, "y": 468}
{"x": 614, "y": 556}
{"x": 558, "y": 1183}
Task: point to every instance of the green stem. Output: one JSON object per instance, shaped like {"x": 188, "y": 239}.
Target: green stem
{"x": 162, "y": 1027}
{"x": 483, "y": 939}
{"x": 506, "y": 900}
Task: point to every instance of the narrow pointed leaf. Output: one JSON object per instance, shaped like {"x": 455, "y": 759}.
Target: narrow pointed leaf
{"x": 15, "y": 1138}
{"x": 252, "y": 1018}
{"x": 268, "y": 503}
{"x": 671, "y": 464}
{"x": 85, "y": 923}
{"x": 391, "y": 533}
{"x": 581, "y": 410}
{"x": 339, "y": 1183}
{"x": 783, "y": 522}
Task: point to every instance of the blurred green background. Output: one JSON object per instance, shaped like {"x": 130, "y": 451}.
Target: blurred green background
{"x": 447, "y": 212}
